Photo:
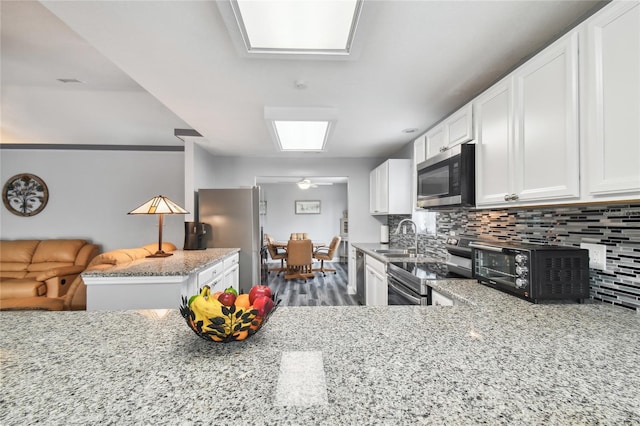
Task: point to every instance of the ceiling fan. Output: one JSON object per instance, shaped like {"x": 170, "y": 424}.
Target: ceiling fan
{"x": 305, "y": 183}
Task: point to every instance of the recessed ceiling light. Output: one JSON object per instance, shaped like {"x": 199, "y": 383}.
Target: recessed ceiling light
{"x": 301, "y": 135}
{"x": 410, "y": 130}
{"x": 300, "y": 129}
{"x": 310, "y": 26}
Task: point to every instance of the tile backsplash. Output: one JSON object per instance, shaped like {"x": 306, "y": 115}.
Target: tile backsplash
{"x": 616, "y": 226}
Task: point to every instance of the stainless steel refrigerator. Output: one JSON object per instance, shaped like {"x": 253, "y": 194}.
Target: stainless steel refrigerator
{"x": 234, "y": 221}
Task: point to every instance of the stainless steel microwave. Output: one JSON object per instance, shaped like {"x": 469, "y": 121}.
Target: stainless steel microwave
{"x": 448, "y": 179}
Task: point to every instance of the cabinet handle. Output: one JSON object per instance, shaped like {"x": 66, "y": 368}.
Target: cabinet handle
{"x": 443, "y": 148}
{"x": 514, "y": 197}
{"x": 507, "y": 197}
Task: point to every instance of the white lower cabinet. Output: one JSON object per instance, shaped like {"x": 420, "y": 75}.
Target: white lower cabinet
{"x": 527, "y": 132}
{"x": 220, "y": 275}
{"x": 231, "y": 274}
{"x": 376, "y": 282}
{"x": 212, "y": 276}
{"x": 439, "y": 299}
{"x": 611, "y": 103}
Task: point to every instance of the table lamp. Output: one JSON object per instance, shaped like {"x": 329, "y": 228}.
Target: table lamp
{"x": 159, "y": 205}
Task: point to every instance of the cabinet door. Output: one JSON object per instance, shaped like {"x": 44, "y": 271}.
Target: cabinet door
{"x": 613, "y": 101}
{"x": 419, "y": 150}
{"x": 439, "y": 299}
{"x": 383, "y": 188}
{"x": 419, "y": 155}
{"x": 494, "y": 156}
{"x": 376, "y": 282}
{"x": 373, "y": 191}
{"x": 435, "y": 140}
{"x": 232, "y": 278}
{"x": 546, "y": 151}
{"x": 459, "y": 126}
{"x": 379, "y": 189}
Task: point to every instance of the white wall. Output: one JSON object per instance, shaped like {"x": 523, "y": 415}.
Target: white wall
{"x": 91, "y": 192}
{"x": 234, "y": 172}
{"x": 281, "y": 220}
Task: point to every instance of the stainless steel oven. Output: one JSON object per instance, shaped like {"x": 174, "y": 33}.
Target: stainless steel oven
{"x": 408, "y": 282}
{"x": 404, "y": 287}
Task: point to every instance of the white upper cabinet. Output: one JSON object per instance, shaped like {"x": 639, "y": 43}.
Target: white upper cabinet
{"x": 390, "y": 188}
{"x": 547, "y": 154}
{"x": 611, "y": 103}
{"x": 452, "y": 131}
{"x": 459, "y": 126}
{"x": 494, "y": 144}
{"x": 527, "y": 132}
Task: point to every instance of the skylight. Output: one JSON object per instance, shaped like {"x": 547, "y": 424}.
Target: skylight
{"x": 302, "y": 26}
{"x": 301, "y": 135}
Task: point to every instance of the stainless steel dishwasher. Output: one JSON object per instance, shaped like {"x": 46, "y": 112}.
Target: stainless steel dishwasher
{"x": 361, "y": 288}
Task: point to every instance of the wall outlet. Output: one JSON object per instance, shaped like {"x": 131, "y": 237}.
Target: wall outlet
{"x": 597, "y": 255}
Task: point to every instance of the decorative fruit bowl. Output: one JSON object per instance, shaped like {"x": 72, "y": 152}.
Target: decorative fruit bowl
{"x": 227, "y": 317}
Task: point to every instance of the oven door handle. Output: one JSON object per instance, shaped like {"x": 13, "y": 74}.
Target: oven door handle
{"x": 487, "y": 247}
{"x": 399, "y": 288}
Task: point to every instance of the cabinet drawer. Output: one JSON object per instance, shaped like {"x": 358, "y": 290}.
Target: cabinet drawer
{"x": 210, "y": 274}
{"x": 230, "y": 261}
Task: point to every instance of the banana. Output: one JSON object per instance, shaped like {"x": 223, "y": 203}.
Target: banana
{"x": 197, "y": 306}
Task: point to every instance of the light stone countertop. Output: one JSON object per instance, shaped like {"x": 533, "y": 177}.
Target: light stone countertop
{"x": 182, "y": 263}
{"x": 496, "y": 360}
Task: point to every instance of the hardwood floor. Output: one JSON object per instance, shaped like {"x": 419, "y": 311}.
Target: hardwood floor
{"x": 317, "y": 291}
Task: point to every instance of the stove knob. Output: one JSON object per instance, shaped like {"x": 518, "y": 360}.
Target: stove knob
{"x": 521, "y": 283}
{"x": 521, "y": 271}
{"x": 521, "y": 258}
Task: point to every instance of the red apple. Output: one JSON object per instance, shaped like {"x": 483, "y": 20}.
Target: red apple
{"x": 259, "y": 290}
{"x": 227, "y": 299}
{"x": 264, "y": 305}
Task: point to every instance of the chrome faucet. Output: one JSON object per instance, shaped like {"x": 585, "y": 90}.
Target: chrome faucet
{"x": 415, "y": 233}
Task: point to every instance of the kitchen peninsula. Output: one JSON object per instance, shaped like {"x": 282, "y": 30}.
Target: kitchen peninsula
{"x": 492, "y": 359}
{"x": 157, "y": 283}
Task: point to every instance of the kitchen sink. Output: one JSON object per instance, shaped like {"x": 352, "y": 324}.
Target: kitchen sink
{"x": 391, "y": 251}
{"x": 395, "y": 252}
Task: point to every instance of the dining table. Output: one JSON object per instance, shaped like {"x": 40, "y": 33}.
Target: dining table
{"x": 283, "y": 244}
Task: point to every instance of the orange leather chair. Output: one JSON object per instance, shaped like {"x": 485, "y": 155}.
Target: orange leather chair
{"x": 326, "y": 253}
{"x": 276, "y": 254}
{"x": 299, "y": 259}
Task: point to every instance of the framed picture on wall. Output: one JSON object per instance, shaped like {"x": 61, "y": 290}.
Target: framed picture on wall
{"x": 308, "y": 207}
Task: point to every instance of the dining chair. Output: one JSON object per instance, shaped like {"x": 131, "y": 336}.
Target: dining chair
{"x": 276, "y": 254}
{"x": 326, "y": 253}
{"x": 299, "y": 236}
{"x": 299, "y": 259}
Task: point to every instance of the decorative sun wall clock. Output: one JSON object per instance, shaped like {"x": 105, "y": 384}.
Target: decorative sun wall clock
{"x": 25, "y": 194}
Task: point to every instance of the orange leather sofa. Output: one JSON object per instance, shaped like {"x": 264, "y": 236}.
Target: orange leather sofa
{"x": 41, "y": 268}
{"x": 75, "y": 297}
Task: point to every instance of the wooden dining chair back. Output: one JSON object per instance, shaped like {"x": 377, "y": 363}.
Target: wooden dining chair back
{"x": 327, "y": 253}
{"x": 299, "y": 259}
{"x": 299, "y": 236}
{"x": 276, "y": 254}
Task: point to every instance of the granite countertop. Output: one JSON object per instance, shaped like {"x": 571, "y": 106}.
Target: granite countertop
{"x": 496, "y": 360}
{"x": 183, "y": 262}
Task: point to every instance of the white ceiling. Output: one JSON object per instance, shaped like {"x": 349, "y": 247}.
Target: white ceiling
{"x": 149, "y": 67}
